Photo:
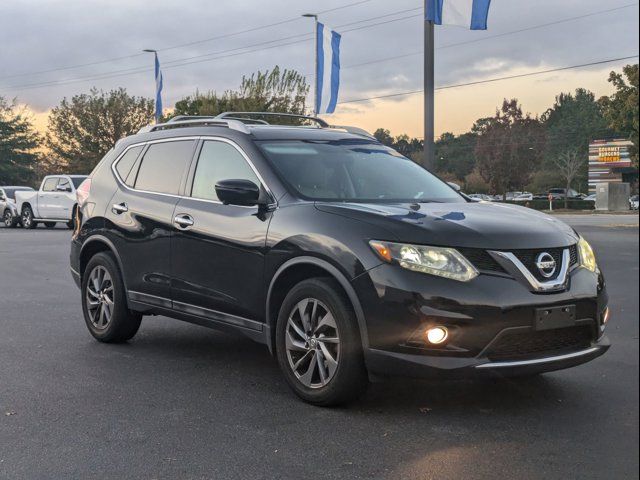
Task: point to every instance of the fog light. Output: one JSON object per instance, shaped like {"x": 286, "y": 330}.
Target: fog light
{"x": 437, "y": 335}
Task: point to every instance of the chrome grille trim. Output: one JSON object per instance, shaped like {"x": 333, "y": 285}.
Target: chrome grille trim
{"x": 508, "y": 260}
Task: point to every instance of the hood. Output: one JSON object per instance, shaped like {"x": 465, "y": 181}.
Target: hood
{"x": 473, "y": 225}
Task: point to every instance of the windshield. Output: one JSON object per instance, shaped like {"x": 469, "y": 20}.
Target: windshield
{"x": 353, "y": 171}
{"x": 77, "y": 181}
{"x": 11, "y": 192}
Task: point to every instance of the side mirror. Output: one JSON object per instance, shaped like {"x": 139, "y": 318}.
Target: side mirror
{"x": 238, "y": 192}
{"x": 455, "y": 186}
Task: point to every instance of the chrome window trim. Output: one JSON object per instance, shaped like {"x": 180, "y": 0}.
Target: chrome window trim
{"x": 538, "y": 286}
{"x": 537, "y": 361}
{"x": 178, "y": 139}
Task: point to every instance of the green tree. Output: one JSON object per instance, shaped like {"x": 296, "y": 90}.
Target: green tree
{"x": 18, "y": 144}
{"x": 508, "y": 149}
{"x": 572, "y": 123}
{"x": 568, "y": 165}
{"x": 283, "y": 91}
{"x": 455, "y": 155}
{"x": 82, "y": 130}
{"x": 621, "y": 108}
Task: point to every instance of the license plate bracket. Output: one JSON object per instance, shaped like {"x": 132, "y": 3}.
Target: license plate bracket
{"x": 555, "y": 317}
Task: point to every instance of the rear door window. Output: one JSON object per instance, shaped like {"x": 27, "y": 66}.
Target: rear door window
{"x": 163, "y": 166}
{"x": 64, "y": 183}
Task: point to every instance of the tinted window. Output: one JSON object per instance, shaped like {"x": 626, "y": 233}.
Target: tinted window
{"x": 125, "y": 164}
{"x": 219, "y": 161}
{"x": 354, "y": 170}
{"x": 50, "y": 184}
{"x": 163, "y": 165}
{"x": 11, "y": 192}
{"x": 77, "y": 181}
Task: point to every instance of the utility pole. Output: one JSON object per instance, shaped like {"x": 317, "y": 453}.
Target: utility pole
{"x": 429, "y": 96}
{"x": 315, "y": 56}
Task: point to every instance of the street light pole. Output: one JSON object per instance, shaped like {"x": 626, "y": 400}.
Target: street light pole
{"x": 429, "y": 96}
{"x": 317, "y": 80}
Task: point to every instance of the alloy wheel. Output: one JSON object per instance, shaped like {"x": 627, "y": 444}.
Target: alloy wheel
{"x": 100, "y": 297}
{"x": 8, "y": 219}
{"x": 313, "y": 343}
{"x": 26, "y": 218}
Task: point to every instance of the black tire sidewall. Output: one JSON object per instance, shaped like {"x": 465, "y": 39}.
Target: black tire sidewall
{"x": 124, "y": 323}
{"x": 350, "y": 378}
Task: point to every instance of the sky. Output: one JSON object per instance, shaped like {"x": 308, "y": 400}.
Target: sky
{"x": 210, "y": 44}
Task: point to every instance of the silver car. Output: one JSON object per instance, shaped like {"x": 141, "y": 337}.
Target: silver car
{"x": 10, "y": 215}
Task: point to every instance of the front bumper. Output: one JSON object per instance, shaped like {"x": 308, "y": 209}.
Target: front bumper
{"x": 398, "y": 303}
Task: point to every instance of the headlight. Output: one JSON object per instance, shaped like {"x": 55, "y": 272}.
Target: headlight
{"x": 587, "y": 257}
{"x": 440, "y": 261}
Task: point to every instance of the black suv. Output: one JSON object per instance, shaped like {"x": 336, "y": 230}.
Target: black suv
{"x": 345, "y": 258}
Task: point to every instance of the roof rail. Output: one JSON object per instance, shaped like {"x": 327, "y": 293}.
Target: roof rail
{"x": 187, "y": 121}
{"x": 355, "y": 131}
{"x": 239, "y": 116}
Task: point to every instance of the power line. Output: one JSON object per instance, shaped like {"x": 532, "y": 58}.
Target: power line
{"x": 218, "y": 55}
{"x": 173, "y": 47}
{"x": 490, "y": 80}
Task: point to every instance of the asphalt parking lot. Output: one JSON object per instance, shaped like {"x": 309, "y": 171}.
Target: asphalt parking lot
{"x": 184, "y": 402}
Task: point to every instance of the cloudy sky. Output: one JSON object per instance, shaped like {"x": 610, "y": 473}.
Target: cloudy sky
{"x": 57, "y": 48}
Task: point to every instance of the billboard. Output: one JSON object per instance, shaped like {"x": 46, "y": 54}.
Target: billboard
{"x": 608, "y": 161}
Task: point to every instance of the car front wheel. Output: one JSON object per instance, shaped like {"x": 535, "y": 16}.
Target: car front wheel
{"x": 318, "y": 344}
{"x": 8, "y": 220}
{"x": 104, "y": 302}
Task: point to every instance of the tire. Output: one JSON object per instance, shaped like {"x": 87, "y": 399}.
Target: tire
{"x": 8, "y": 220}
{"x": 27, "y": 218}
{"x": 339, "y": 375}
{"x": 107, "y": 294}
{"x": 50, "y": 224}
{"x": 71, "y": 224}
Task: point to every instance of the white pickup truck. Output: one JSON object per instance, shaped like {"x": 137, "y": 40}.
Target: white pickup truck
{"x": 54, "y": 202}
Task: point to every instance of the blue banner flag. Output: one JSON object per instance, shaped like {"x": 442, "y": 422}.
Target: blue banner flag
{"x": 328, "y": 58}
{"x": 158, "y": 90}
{"x": 471, "y": 14}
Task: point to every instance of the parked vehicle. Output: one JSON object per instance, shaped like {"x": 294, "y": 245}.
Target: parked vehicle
{"x": 633, "y": 202}
{"x": 10, "y": 214}
{"x": 512, "y": 195}
{"x": 55, "y": 202}
{"x": 590, "y": 198}
{"x": 481, "y": 197}
{"x": 348, "y": 260}
{"x": 559, "y": 193}
{"x": 10, "y": 217}
{"x": 524, "y": 197}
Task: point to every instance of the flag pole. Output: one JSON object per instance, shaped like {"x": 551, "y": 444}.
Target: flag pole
{"x": 429, "y": 95}
{"x": 315, "y": 56}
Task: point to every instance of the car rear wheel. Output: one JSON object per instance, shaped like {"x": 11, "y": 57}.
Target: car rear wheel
{"x": 27, "y": 218}
{"x": 318, "y": 344}
{"x": 104, "y": 302}
{"x": 8, "y": 219}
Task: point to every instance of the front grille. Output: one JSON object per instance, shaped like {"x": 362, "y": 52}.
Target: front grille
{"x": 528, "y": 259}
{"x": 532, "y": 344}
{"x": 573, "y": 255}
{"x": 481, "y": 260}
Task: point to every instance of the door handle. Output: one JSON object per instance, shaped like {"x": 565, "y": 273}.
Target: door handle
{"x": 119, "y": 208}
{"x": 184, "y": 221}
